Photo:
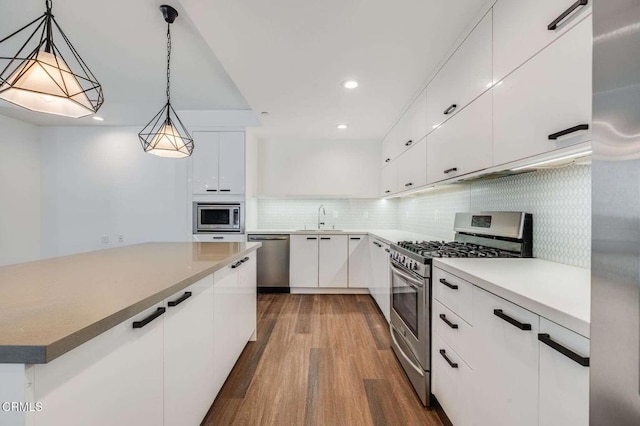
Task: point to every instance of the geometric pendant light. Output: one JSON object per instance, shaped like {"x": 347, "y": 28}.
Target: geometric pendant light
{"x": 165, "y": 135}
{"x": 47, "y": 77}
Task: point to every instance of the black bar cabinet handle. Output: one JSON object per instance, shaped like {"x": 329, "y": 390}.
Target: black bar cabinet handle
{"x": 450, "y": 109}
{"x": 453, "y": 169}
{"x": 443, "y": 317}
{"x": 552, "y": 26}
{"x": 387, "y": 250}
{"x": 387, "y": 160}
{"x": 185, "y": 296}
{"x": 245, "y": 259}
{"x": 444, "y": 355}
{"x": 311, "y": 238}
{"x": 554, "y": 136}
{"x": 354, "y": 238}
{"x": 235, "y": 265}
{"x": 387, "y": 191}
{"x": 510, "y": 320}
{"x": 212, "y": 190}
{"x": 408, "y": 143}
{"x": 408, "y": 184}
{"x": 378, "y": 244}
{"x": 218, "y": 238}
{"x": 225, "y": 190}
{"x": 147, "y": 320}
{"x": 325, "y": 238}
{"x": 448, "y": 284}
{"x": 547, "y": 340}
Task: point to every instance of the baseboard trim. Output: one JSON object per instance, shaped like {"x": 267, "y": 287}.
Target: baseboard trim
{"x": 318, "y": 290}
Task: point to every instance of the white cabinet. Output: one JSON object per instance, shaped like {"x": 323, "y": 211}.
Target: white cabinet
{"x": 521, "y": 29}
{"x": 389, "y": 179}
{"x": 549, "y": 94}
{"x": 303, "y": 261}
{"x": 505, "y": 362}
{"x": 218, "y": 163}
{"x": 452, "y": 383}
{"x": 463, "y": 78}
{"x": 248, "y": 287}
{"x": 115, "y": 378}
{"x": 463, "y": 144}
{"x": 380, "y": 287}
{"x": 333, "y": 261}
{"x": 189, "y": 354}
{"x": 455, "y": 331}
{"x": 409, "y": 129}
{"x": 564, "y": 382}
{"x": 412, "y": 167}
{"x": 359, "y": 262}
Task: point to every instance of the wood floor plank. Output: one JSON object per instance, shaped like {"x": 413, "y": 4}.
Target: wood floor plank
{"x": 319, "y": 360}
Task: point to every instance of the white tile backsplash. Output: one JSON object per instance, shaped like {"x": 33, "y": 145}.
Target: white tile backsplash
{"x": 559, "y": 199}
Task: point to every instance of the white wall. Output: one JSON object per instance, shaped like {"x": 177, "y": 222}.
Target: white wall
{"x": 97, "y": 181}
{"x": 319, "y": 168}
{"x": 19, "y": 192}
{"x": 251, "y": 179}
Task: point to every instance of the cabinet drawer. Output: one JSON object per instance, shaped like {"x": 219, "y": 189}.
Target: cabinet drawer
{"x": 550, "y": 93}
{"x": 521, "y": 29}
{"x": 564, "y": 383}
{"x": 452, "y": 384}
{"x": 454, "y": 293}
{"x": 453, "y": 330}
{"x": 463, "y": 144}
{"x": 463, "y": 78}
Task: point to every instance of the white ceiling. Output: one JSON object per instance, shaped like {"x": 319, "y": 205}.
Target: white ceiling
{"x": 289, "y": 57}
{"x": 124, "y": 44}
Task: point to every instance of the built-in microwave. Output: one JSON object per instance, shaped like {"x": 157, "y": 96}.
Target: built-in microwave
{"x": 218, "y": 217}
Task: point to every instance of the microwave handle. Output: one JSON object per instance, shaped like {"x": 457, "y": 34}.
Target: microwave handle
{"x": 236, "y": 216}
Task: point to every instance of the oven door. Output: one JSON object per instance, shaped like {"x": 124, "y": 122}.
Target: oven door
{"x": 210, "y": 218}
{"x": 409, "y": 310}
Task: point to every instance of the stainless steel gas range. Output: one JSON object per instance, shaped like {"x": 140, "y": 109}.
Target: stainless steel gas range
{"x": 490, "y": 234}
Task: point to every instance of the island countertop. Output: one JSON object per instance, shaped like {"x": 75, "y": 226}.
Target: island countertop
{"x": 49, "y": 307}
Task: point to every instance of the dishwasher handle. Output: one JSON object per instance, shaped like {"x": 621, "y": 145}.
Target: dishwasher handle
{"x": 274, "y": 238}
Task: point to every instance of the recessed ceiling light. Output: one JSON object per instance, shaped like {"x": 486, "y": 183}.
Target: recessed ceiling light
{"x": 350, "y": 84}
{"x": 95, "y": 117}
{"x": 342, "y": 126}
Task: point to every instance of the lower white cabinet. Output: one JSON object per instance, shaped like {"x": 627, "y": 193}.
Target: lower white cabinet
{"x": 113, "y": 379}
{"x": 333, "y": 261}
{"x": 189, "y": 354}
{"x": 303, "y": 261}
{"x": 564, "y": 377}
{"x": 380, "y": 287}
{"x": 359, "y": 261}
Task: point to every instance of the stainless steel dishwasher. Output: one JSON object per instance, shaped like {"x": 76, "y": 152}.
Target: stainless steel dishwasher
{"x": 273, "y": 262}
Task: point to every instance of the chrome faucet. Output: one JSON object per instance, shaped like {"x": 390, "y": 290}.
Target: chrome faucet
{"x": 324, "y": 213}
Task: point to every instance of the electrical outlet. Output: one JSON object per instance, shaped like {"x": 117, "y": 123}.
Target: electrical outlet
{"x": 120, "y": 239}
{"x": 104, "y": 239}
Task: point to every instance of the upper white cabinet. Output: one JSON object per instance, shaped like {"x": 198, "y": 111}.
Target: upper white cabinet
{"x": 411, "y": 166}
{"x": 463, "y": 144}
{"x": 411, "y": 127}
{"x": 389, "y": 179}
{"x": 333, "y": 261}
{"x": 522, "y": 28}
{"x": 463, "y": 78}
{"x": 218, "y": 163}
{"x": 549, "y": 95}
{"x": 564, "y": 376}
{"x": 359, "y": 261}
{"x": 303, "y": 260}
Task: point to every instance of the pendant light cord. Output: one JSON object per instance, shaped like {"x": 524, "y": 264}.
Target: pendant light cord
{"x": 168, "y": 64}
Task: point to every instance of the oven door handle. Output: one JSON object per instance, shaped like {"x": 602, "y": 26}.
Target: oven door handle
{"x": 404, "y": 355}
{"x": 397, "y": 271}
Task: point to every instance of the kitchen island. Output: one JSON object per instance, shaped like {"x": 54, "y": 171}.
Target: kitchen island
{"x": 144, "y": 334}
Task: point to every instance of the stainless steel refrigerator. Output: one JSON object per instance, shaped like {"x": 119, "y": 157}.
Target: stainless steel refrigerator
{"x": 615, "y": 276}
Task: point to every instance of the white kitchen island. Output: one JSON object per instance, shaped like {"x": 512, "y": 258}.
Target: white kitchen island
{"x": 144, "y": 334}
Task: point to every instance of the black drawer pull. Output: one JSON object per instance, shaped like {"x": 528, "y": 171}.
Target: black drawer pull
{"x": 448, "y": 284}
{"x": 377, "y": 244}
{"x": 450, "y": 109}
{"x": 235, "y": 265}
{"x": 325, "y": 238}
{"x": 387, "y": 160}
{"x": 225, "y": 190}
{"x": 408, "y": 184}
{"x": 212, "y": 190}
{"x": 218, "y": 238}
{"x": 443, "y": 317}
{"x": 453, "y": 169}
{"x": 387, "y": 250}
{"x": 554, "y": 136}
{"x": 387, "y": 191}
{"x": 354, "y": 238}
{"x": 245, "y": 259}
{"x": 408, "y": 143}
{"x": 552, "y": 26}
{"x": 444, "y": 355}
{"x": 311, "y": 238}
{"x": 147, "y": 320}
{"x": 547, "y": 340}
{"x": 185, "y": 296}
{"x": 512, "y": 321}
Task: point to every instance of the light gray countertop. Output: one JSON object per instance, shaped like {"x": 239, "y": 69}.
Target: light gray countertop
{"x": 49, "y": 307}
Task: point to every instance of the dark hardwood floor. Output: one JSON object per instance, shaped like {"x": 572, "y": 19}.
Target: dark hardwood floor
{"x": 319, "y": 360}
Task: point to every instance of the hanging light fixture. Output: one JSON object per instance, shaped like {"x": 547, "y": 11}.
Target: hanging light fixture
{"x": 40, "y": 78}
{"x": 165, "y": 135}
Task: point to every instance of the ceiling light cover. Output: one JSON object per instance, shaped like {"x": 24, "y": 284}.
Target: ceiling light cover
{"x": 342, "y": 126}
{"x": 44, "y": 76}
{"x": 351, "y": 84}
{"x": 165, "y": 135}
